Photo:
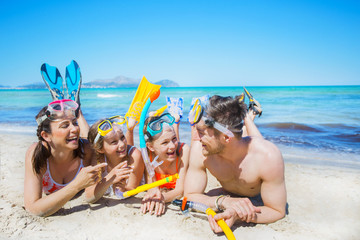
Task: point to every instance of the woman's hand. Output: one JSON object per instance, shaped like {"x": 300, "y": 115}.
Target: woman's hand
{"x": 88, "y": 176}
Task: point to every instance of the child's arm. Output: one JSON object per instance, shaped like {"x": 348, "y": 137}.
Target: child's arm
{"x": 183, "y": 166}
{"x": 117, "y": 174}
{"x": 131, "y": 122}
{"x": 138, "y": 166}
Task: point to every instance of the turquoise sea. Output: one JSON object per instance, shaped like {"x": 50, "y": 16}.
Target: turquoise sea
{"x": 311, "y": 125}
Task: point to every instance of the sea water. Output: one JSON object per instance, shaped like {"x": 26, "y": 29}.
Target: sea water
{"x": 315, "y": 125}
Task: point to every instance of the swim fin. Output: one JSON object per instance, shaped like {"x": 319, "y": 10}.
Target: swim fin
{"x": 73, "y": 81}
{"x": 159, "y": 111}
{"x": 53, "y": 81}
{"x": 143, "y": 92}
{"x": 175, "y": 105}
{"x": 253, "y": 103}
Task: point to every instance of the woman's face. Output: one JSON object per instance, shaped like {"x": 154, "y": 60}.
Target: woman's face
{"x": 165, "y": 145}
{"x": 65, "y": 133}
{"x": 115, "y": 144}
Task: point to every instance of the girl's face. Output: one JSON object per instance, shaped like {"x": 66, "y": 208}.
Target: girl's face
{"x": 65, "y": 133}
{"x": 165, "y": 145}
{"x": 115, "y": 145}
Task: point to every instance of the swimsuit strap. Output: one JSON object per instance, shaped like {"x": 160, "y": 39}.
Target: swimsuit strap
{"x": 130, "y": 149}
{"x": 177, "y": 158}
{"x": 48, "y": 170}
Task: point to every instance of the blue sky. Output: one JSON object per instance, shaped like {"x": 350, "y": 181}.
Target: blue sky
{"x": 195, "y": 43}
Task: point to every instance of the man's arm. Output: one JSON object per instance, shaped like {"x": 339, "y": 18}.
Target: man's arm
{"x": 273, "y": 190}
{"x": 196, "y": 177}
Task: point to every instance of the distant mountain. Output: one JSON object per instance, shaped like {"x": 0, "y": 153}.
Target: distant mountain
{"x": 124, "y": 82}
{"x": 38, "y": 85}
{"x": 167, "y": 83}
{"x": 4, "y": 87}
{"x": 117, "y": 82}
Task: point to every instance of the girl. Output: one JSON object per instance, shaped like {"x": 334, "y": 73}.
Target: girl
{"x": 125, "y": 166}
{"x": 162, "y": 142}
{"x": 59, "y": 163}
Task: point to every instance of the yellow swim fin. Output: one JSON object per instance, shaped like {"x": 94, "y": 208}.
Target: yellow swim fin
{"x": 143, "y": 92}
{"x": 160, "y": 111}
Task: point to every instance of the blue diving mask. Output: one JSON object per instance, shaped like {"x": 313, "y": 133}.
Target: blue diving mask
{"x": 156, "y": 126}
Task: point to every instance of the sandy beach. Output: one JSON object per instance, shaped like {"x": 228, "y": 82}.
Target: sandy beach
{"x": 324, "y": 203}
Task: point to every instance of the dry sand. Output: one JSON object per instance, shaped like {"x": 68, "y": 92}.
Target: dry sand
{"x": 324, "y": 203}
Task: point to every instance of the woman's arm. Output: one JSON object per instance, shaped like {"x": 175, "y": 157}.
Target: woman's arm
{"x": 84, "y": 126}
{"x": 44, "y": 206}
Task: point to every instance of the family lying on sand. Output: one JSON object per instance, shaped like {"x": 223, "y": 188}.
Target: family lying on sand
{"x": 70, "y": 157}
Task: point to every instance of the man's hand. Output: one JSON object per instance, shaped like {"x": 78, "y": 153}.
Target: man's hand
{"x": 229, "y": 216}
{"x": 243, "y": 207}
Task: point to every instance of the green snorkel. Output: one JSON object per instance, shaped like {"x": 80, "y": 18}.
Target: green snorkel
{"x": 150, "y": 166}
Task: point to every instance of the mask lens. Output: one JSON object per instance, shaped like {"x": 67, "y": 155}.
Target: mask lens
{"x": 70, "y": 105}
{"x": 117, "y": 119}
{"x": 105, "y": 126}
{"x": 155, "y": 126}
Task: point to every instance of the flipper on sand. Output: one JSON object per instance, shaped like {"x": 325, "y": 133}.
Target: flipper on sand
{"x": 253, "y": 104}
{"x": 73, "y": 81}
{"x": 143, "y": 92}
{"x": 175, "y": 105}
{"x": 53, "y": 81}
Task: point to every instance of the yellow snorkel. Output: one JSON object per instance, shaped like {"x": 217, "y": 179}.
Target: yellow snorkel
{"x": 142, "y": 188}
{"x": 184, "y": 204}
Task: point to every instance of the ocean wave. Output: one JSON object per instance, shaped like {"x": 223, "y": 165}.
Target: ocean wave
{"x": 292, "y": 126}
{"x": 101, "y": 95}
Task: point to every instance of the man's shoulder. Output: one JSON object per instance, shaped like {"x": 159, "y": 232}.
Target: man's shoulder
{"x": 267, "y": 156}
{"x": 265, "y": 150}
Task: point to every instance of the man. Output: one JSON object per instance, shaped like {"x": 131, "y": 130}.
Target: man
{"x": 247, "y": 167}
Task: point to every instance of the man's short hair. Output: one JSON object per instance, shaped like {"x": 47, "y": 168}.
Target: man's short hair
{"x": 229, "y": 111}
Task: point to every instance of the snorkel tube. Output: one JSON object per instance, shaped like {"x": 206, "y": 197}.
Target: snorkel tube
{"x": 184, "y": 204}
{"x": 142, "y": 188}
{"x": 150, "y": 166}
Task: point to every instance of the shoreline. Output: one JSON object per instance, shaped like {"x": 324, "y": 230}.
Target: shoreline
{"x": 324, "y": 202}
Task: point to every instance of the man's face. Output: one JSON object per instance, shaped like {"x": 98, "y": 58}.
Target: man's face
{"x": 210, "y": 142}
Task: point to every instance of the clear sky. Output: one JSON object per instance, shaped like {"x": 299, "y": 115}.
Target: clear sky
{"x": 195, "y": 43}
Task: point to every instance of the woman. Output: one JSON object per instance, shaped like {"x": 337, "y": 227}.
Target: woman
{"x": 161, "y": 141}
{"x": 59, "y": 163}
{"x": 125, "y": 167}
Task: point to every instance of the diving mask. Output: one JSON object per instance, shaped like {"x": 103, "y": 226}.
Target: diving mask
{"x": 156, "y": 126}
{"x": 59, "y": 109}
{"x": 198, "y": 112}
{"x": 106, "y": 126}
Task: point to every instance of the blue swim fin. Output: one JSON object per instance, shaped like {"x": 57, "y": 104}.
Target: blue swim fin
{"x": 73, "y": 81}
{"x": 53, "y": 80}
{"x": 175, "y": 105}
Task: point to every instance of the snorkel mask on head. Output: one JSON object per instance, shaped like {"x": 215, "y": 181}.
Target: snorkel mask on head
{"x": 155, "y": 126}
{"x": 198, "y": 112}
{"x": 106, "y": 126}
{"x": 59, "y": 109}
